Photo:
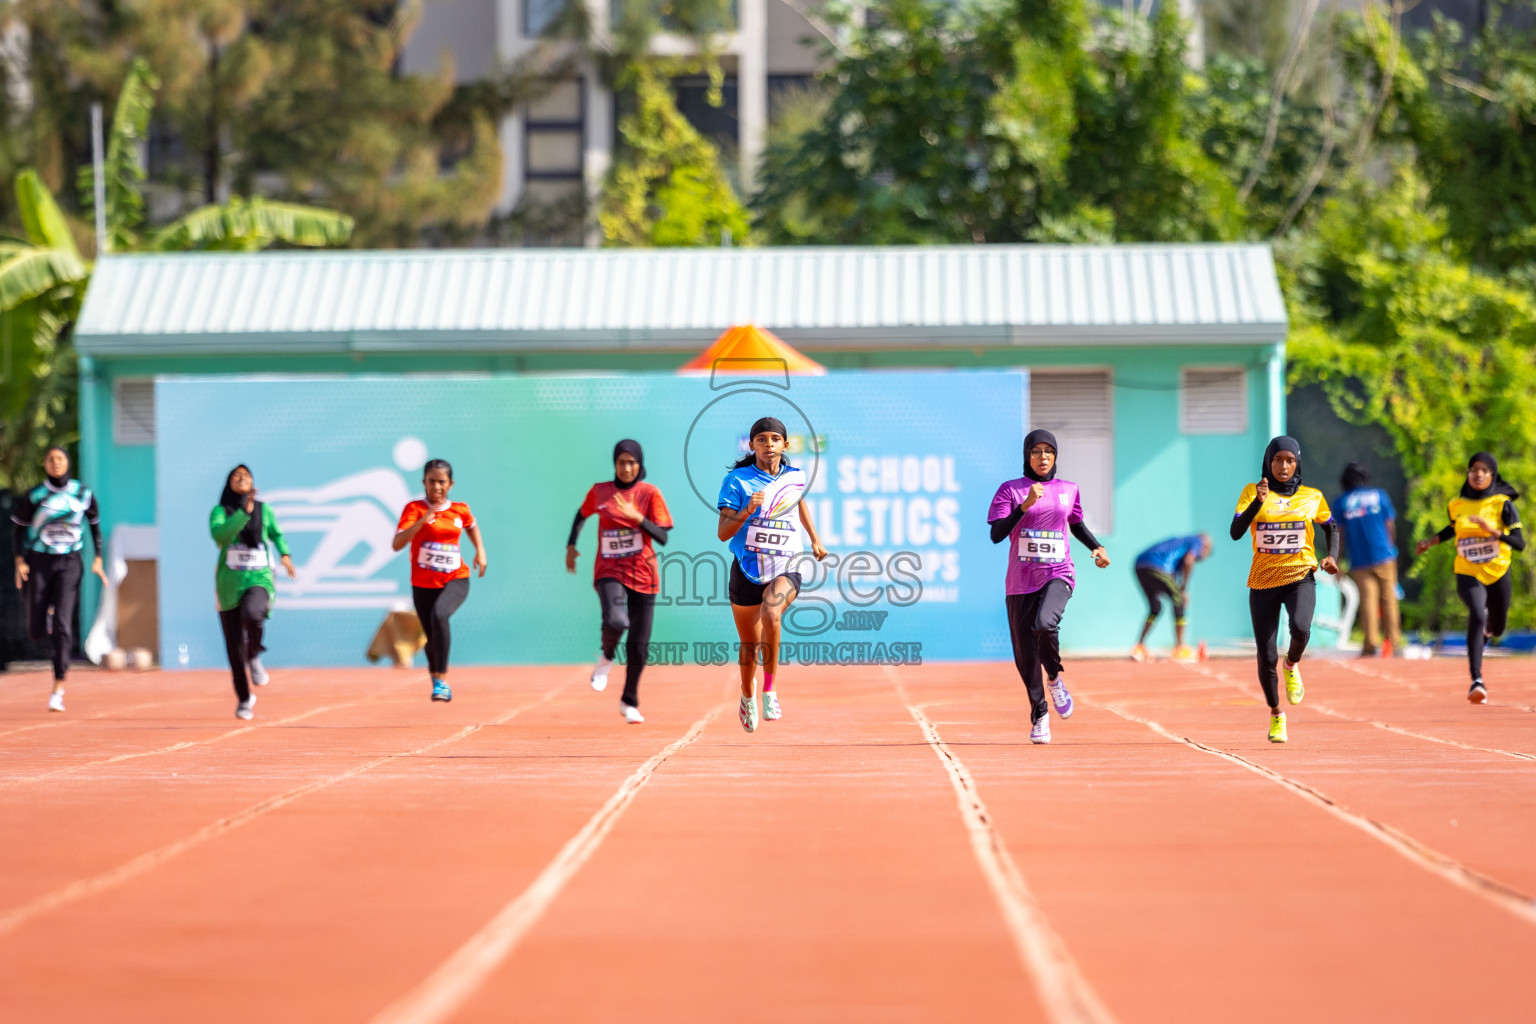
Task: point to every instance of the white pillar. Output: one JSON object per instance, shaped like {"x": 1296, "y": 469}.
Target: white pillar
{"x": 512, "y": 161}
{"x": 597, "y": 147}
{"x": 1277, "y": 390}
{"x": 1194, "y": 50}
{"x": 752, "y": 89}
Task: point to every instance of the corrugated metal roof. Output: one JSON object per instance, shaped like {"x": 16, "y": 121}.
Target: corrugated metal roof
{"x": 525, "y": 299}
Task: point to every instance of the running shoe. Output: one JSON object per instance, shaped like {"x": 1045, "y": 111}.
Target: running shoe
{"x": 600, "y": 673}
{"x": 1294, "y": 691}
{"x": 1277, "y": 728}
{"x": 631, "y": 713}
{"x": 1477, "y": 695}
{"x": 1040, "y": 732}
{"x": 1185, "y": 655}
{"x": 771, "y": 710}
{"x": 748, "y": 711}
{"x": 1140, "y": 653}
{"x": 440, "y": 691}
{"x": 56, "y": 701}
{"x": 258, "y": 672}
{"x": 246, "y": 709}
{"x": 1059, "y": 695}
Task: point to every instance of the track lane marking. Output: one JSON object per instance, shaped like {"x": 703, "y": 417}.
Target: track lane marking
{"x": 1496, "y": 892}
{"x": 446, "y": 989}
{"x": 1064, "y": 993}
{"x": 75, "y": 891}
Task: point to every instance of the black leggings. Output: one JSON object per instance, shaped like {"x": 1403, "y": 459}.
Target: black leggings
{"x": 1157, "y": 584}
{"x": 1487, "y": 614}
{"x": 1299, "y": 600}
{"x": 1033, "y": 619}
{"x": 52, "y": 591}
{"x": 243, "y": 626}
{"x": 434, "y": 606}
{"x": 626, "y": 609}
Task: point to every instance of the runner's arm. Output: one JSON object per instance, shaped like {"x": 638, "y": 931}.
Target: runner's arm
{"x": 225, "y": 527}
{"x": 1082, "y": 533}
{"x": 1001, "y": 528}
{"x": 658, "y": 533}
{"x": 1244, "y": 519}
{"x": 1332, "y": 537}
{"x": 93, "y": 520}
{"x": 1512, "y": 534}
{"x": 576, "y": 525}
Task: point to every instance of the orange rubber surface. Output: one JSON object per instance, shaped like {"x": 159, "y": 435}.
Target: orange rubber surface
{"x": 895, "y": 849}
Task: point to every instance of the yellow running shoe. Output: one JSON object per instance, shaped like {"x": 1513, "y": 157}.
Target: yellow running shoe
{"x": 1185, "y": 655}
{"x": 1277, "y": 728}
{"x": 1294, "y": 691}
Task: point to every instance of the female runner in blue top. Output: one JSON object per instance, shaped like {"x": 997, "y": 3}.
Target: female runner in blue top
{"x": 762, "y": 516}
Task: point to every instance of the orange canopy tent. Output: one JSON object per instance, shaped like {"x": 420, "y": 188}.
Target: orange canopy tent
{"x": 751, "y": 350}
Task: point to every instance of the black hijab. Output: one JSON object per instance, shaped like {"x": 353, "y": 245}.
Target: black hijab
{"x": 250, "y": 533}
{"x": 1498, "y": 486}
{"x": 1033, "y": 438}
{"x": 59, "y": 482}
{"x": 1284, "y": 443}
{"x": 633, "y": 448}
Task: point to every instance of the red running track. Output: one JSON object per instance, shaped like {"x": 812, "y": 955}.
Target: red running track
{"x": 895, "y": 849}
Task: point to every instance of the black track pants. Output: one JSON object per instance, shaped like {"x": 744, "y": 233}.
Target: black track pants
{"x": 1299, "y": 600}
{"x": 626, "y": 609}
{"x": 1487, "y": 614}
{"x": 52, "y": 590}
{"x": 243, "y": 626}
{"x": 1033, "y": 620}
{"x": 434, "y": 606}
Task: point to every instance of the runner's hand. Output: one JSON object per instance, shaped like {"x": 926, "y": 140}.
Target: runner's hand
{"x": 480, "y": 563}
{"x": 288, "y": 568}
{"x": 1101, "y": 557}
{"x": 570, "y": 559}
{"x": 250, "y": 501}
{"x": 99, "y": 571}
{"x": 1036, "y": 492}
{"x": 1425, "y": 544}
{"x": 1330, "y": 566}
{"x": 22, "y": 570}
{"x": 758, "y": 497}
{"x": 1263, "y": 489}
{"x": 625, "y": 509}
{"x": 1483, "y": 524}
{"x": 818, "y": 550}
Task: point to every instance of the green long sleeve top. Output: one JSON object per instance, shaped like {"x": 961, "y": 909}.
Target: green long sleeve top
{"x": 239, "y": 567}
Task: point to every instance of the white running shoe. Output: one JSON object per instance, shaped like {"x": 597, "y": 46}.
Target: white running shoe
{"x": 1040, "y": 732}
{"x": 1059, "y": 695}
{"x": 246, "y": 708}
{"x": 600, "y": 674}
{"x": 259, "y": 675}
{"x": 748, "y": 712}
{"x": 56, "y": 701}
{"x": 771, "y": 710}
{"x": 631, "y": 713}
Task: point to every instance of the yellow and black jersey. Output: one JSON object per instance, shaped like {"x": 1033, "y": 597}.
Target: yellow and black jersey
{"x": 1283, "y": 535}
{"x": 1478, "y": 555}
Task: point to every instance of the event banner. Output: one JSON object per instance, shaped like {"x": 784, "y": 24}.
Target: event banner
{"x": 900, "y": 469}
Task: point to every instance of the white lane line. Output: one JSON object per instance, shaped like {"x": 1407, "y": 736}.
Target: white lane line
{"x": 74, "y": 720}
{"x": 76, "y": 891}
{"x": 1213, "y": 674}
{"x": 1064, "y": 993}
{"x": 448, "y": 987}
{"x": 1453, "y": 871}
{"x": 1416, "y": 688}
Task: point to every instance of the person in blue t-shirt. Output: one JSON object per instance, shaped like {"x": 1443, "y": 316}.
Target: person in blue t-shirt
{"x": 1163, "y": 571}
{"x": 1370, "y": 526}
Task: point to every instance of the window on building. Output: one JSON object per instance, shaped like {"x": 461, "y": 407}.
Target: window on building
{"x": 133, "y": 412}
{"x": 539, "y": 15}
{"x": 1078, "y": 407}
{"x": 1213, "y": 400}
{"x": 554, "y": 141}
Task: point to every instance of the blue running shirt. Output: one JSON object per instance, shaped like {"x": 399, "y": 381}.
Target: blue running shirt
{"x": 771, "y": 539}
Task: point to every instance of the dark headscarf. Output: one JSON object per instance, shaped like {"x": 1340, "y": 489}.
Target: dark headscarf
{"x": 250, "y": 533}
{"x": 1033, "y": 438}
{"x": 1284, "y": 443}
{"x": 633, "y": 448}
{"x": 58, "y": 481}
{"x": 765, "y": 423}
{"x": 1498, "y": 486}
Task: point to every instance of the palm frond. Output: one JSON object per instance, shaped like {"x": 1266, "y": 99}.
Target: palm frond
{"x": 121, "y": 168}
{"x": 251, "y": 224}
{"x": 40, "y": 215}
{"x": 27, "y": 271}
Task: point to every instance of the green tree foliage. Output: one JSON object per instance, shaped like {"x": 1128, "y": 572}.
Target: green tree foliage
{"x": 1404, "y": 333}
{"x": 1039, "y": 120}
{"x": 666, "y": 188}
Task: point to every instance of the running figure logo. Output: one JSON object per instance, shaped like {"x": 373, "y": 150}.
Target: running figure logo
{"x": 355, "y": 517}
